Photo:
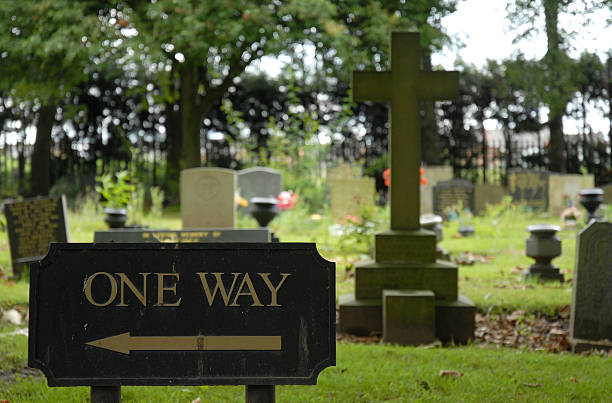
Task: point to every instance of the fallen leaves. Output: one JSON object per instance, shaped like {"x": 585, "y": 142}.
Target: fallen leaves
{"x": 469, "y": 258}
{"x": 450, "y": 373}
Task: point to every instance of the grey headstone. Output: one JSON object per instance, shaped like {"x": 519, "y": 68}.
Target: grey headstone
{"x": 448, "y": 194}
{"x": 191, "y": 235}
{"x": 32, "y": 225}
{"x": 530, "y": 187}
{"x": 591, "y": 310}
{"x": 259, "y": 182}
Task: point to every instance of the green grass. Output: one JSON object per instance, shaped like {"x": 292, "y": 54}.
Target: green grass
{"x": 366, "y": 373}
{"x": 375, "y": 372}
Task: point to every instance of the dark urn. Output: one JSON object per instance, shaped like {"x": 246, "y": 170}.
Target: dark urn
{"x": 115, "y": 217}
{"x": 543, "y": 246}
{"x": 263, "y": 209}
{"x": 591, "y": 199}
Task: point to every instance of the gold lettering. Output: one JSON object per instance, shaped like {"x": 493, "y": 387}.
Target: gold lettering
{"x": 247, "y": 280}
{"x": 113, "y": 291}
{"x": 142, "y": 297}
{"x": 273, "y": 290}
{"x": 220, "y": 286}
{"x": 161, "y": 288}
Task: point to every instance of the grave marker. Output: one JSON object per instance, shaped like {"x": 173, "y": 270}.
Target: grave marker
{"x": 452, "y": 193}
{"x": 349, "y": 195}
{"x": 591, "y": 310}
{"x": 207, "y": 198}
{"x": 433, "y": 174}
{"x": 32, "y": 225}
{"x": 259, "y": 182}
{"x": 405, "y": 256}
{"x": 182, "y": 314}
{"x": 530, "y": 187}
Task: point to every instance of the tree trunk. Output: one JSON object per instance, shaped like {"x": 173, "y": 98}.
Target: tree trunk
{"x": 173, "y": 151}
{"x": 40, "y": 174}
{"x": 191, "y": 119}
{"x": 557, "y": 108}
{"x": 430, "y": 151}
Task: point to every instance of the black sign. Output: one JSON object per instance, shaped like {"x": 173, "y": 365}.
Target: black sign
{"x": 184, "y": 314}
{"x": 32, "y": 225}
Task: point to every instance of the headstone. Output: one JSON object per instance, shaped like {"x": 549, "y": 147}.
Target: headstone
{"x": 529, "y": 187}
{"x": 344, "y": 171}
{"x": 434, "y": 174}
{"x": 405, "y": 255}
{"x": 453, "y": 193}
{"x": 190, "y": 235}
{"x": 32, "y": 225}
{"x": 591, "y": 310}
{"x": 562, "y": 187}
{"x": 208, "y": 198}
{"x": 349, "y": 195}
{"x": 487, "y": 194}
{"x": 259, "y": 182}
{"x": 182, "y": 314}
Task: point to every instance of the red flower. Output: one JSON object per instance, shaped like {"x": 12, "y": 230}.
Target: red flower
{"x": 287, "y": 200}
{"x": 387, "y": 176}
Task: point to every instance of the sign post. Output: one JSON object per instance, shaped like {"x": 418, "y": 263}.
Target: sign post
{"x": 256, "y": 314}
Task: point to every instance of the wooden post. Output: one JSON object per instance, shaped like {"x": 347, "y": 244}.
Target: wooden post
{"x": 260, "y": 393}
{"x": 105, "y": 394}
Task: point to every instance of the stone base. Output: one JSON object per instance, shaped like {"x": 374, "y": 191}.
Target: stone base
{"x": 581, "y": 345}
{"x": 409, "y": 317}
{"x": 551, "y": 273}
{"x": 454, "y": 319}
{"x": 360, "y": 317}
{"x": 371, "y": 278}
{"x": 393, "y": 246}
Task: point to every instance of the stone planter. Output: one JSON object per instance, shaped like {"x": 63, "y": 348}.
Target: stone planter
{"x": 263, "y": 209}
{"x": 591, "y": 199}
{"x": 115, "y": 217}
{"x": 543, "y": 246}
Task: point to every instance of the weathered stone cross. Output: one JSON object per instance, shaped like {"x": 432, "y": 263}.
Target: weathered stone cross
{"x": 403, "y": 87}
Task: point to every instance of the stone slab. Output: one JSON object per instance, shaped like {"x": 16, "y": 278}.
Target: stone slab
{"x": 371, "y": 278}
{"x": 32, "y": 224}
{"x": 349, "y": 195}
{"x": 564, "y": 187}
{"x": 581, "y": 346}
{"x": 452, "y": 193}
{"x": 433, "y": 174}
{"x": 529, "y": 187}
{"x": 207, "y": 198}
{"x": 191, "y": 235}
{"x": 591, "y": 309}
{"x": 409, "y": 317}
{"x": 487, "y": 194}
{"x": 405, "y": 247}
{"x": 455, "y": 320}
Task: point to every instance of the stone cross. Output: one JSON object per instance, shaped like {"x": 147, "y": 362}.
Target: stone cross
{"x": 403, "y": 87}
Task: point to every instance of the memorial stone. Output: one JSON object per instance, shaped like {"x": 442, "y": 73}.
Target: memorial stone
{"x": 259, "y": 182}
{"x": 591, "y": 309}
{"x": 349, "y": 195}
{"x": 530, "y": 187}
{"x": 32, "y": 225}
{"x": 453, "y": 193}
{"x": 487, "y": 194}
{"x": 607, "y": 189}
{"x": 207, "y": 198}
{"x": 405, "y": 255}
{"x": 191, "y": 235}
{"x": 433, "y": 174}
{"x": 562, "y": 187}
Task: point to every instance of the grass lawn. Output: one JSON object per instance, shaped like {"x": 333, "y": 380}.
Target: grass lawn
{"x": 376, "y": 372}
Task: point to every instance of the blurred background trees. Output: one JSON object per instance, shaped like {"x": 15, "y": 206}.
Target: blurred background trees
{"x": 89, "y": 87}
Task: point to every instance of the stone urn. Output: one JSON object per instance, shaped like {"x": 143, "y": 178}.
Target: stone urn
{"x": 263, "y": 209}
{"x": 543, "y": 246}
{"x": 115, "y": 217}
{"x": 591, "y": 199}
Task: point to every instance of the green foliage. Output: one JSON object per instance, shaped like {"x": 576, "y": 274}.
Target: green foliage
{"x": 115, "y": 189}
{"x": 357, "y": 233}
{"x": 136, "y": 205}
